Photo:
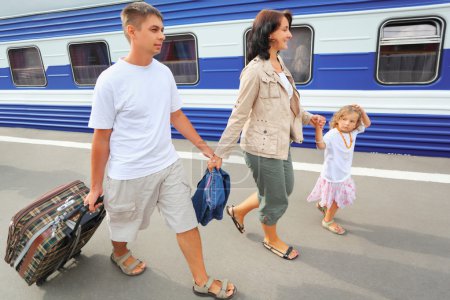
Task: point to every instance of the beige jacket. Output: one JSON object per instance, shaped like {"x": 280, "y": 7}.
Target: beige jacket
{"x": 268, "y": 119}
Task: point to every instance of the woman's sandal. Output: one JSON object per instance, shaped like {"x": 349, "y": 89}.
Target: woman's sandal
{"x": 230, "y": 212}
{"x": 284, "y": 255}
{"x": 322, "y": 209}
{"x": 333, "y": 229}
{"x": 127, "y": 270}
{"x": 203, "y": 291}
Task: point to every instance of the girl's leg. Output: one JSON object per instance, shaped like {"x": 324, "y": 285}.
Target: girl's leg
{"x": 329, "y": 216}
{"x": 249, "y": 204}
{"x": 331, "y": 212}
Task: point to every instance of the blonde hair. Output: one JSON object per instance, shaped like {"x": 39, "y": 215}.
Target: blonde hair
{"x": 348, "y": 109}
{"x": 135, "y": 13}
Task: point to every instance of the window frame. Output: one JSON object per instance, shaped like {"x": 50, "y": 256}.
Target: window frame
{"x": 40, "y": 59}
{"x": 197, "y": 69}
{"x": 83, "y": 43}
{"x": 414, "y": 40}
{"x": 311, "y": 53}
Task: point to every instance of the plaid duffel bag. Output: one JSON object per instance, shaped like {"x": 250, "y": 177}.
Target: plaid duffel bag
{"x": 47, "y": 233}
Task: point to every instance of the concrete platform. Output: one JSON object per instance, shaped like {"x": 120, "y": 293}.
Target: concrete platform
{"x": 397, "y": 246}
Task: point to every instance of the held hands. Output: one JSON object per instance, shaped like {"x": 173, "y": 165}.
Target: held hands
{"x": 214, "y": 162}
{"x": 317, "y": 121}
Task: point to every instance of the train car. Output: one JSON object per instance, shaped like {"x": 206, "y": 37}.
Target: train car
{"x": 390, "y": 56}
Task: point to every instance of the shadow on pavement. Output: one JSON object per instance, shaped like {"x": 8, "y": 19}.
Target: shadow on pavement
{"x": 401, "y": 239}
{"x": 96, "y": 277}
{"x": 386, "y": 278}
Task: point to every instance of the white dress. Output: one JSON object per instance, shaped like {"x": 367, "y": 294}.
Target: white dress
{"x": 335, "y": 182}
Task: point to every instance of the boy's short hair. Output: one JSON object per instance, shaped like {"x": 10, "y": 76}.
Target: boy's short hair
{"x": 135, "y": 13}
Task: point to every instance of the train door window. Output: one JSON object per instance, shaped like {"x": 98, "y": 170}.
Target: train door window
{"x": 409, "y": 51}
{"x": 26, "y": 65}
{"x": 179, "y": 53}
{"x": 88, "y": 60}
{"x": 298, "y": 57}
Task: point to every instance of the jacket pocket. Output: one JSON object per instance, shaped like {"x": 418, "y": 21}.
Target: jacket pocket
{"x": 263, "y": 139}
{"x": 269, "y": 88}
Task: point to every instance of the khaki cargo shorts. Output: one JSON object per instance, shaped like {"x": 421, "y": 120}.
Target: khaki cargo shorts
{"x": 130, "y": 203}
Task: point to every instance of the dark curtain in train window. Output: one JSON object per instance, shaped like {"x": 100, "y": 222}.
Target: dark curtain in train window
{"x": 88, "y": 61}
{"x": 26, "y": 67}
{"x": 179, "y": 54}
{"x": 408, "y": 63}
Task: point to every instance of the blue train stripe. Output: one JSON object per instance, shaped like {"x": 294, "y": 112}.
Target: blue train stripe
{"x": 390, "y": 133}
{"x": 354, "y": 71}
{"x": 106, "y": 18}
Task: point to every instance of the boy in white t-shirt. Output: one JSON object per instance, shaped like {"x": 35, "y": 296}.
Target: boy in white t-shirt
{"x": 135, "y": 102}
{"x": 335, "y": 188}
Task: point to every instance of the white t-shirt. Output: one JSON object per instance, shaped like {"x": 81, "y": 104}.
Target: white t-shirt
{"x": 338, "y": 159}
{"x": 136, "y": 102}
{"x": 287, "y": 85}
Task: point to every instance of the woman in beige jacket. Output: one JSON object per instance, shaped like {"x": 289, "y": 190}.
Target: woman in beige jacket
{"x": 269, "y": 115}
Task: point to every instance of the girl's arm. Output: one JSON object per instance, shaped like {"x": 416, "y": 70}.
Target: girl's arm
{"x": 365, "y": 118}
{"x": 319, "y": 138}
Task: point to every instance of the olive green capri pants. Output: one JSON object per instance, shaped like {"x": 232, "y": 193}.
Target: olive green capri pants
{"x": 275, "y": 181}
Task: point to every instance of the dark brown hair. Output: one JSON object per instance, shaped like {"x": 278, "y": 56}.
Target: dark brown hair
{"x": 135, "y": 13}
{"x": 266, "y": 22}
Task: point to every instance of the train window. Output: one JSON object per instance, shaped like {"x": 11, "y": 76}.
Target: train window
{"x": 26, "y": 65}
{"x": 88, "y": 60}
{"x": 409, "y": 51}
{"x": 179, "y": 53}
{"x": 298, "y": 57}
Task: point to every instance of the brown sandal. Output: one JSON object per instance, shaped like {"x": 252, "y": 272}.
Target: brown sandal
{"x": 277, "y": 252}
{"x": 230, "y": 212}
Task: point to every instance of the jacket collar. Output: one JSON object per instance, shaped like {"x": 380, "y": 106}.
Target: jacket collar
{"x": 268, "y": 68}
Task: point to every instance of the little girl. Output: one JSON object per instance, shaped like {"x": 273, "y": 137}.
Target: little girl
{"x": 335, "y": 188}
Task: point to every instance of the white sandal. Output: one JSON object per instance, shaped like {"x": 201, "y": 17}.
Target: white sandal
{"x": 333, "y": 229}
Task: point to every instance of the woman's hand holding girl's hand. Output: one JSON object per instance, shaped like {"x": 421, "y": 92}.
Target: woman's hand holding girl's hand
{"x": 318, "y": 120}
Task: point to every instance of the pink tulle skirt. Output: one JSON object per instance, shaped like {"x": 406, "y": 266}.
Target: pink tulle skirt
{"x": 341, "y": 192}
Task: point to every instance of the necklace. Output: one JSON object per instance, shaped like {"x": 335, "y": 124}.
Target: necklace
{"x": 345, "y": 141}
